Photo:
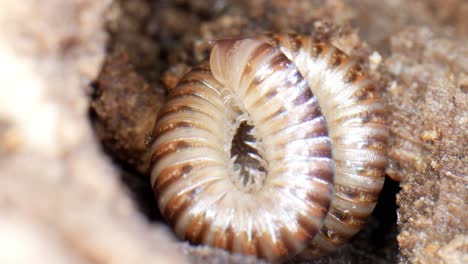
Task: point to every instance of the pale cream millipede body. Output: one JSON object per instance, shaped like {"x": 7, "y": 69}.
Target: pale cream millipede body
{"x": 252, "y": 148}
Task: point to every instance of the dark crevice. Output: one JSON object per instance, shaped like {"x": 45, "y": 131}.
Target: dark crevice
{"x": 248, "y": 161}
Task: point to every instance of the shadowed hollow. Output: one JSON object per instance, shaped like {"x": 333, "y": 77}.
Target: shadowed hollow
{"x": 249, "y": 166}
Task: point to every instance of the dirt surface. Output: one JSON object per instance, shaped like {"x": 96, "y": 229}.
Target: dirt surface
{"x": 80, "y": 75}
{"x": 123, "y": 116}
{"x": 429, "y": 152}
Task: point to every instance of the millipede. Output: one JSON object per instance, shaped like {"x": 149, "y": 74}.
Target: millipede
{"x": 274, "y": 147}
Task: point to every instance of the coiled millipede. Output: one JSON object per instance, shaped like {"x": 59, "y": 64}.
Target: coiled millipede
{"x": 275, "y": 147}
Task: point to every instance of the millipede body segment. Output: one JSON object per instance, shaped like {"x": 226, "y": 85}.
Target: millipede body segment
{"x": 253, "y": 146}
{"x": 355, "y": 114}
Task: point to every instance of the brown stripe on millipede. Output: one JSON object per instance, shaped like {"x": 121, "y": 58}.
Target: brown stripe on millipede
{"x": 306, "y": 224}
{"x": 331, "y": 235}
{"x": 168, "y": 177}
{"x": 337, "y": 58}
{"x": 195, "y": 95}
{"x": 362, "y": 169}
{"x": 195, "y": 228}
{"x": 378, "y": 143}
{"x": 275, "y": 114}
{"x": 311, "y": 112}
{"x": 290, "y": 239}
{"x": 298, "y": 101}
{"x": 320, "y": 174}
{"x": 260, "y": 51}
{"x": 352, "y": 221}
{"x": 270, "y": 38}
{"x": 318, "y": 149}
{"x": 346, "y": 217}
{"x": 171, "y": 175}
{"x": 220, "y": 239}
{"x": 322, "y": 170}
{"x": 355, "y": 74}
{"x": 302, "y": 99}
{"x": 205, "y": 228}
{"x": 320, "y": 200}
{"x": 357, "y": 195}
{"x": 175, "y": 207}
{"x": 247, "y": 245}
{"x": 166, "y": 181}
{"x": 170, "y": 147}
{"x": 171, "y": 126}
{"x": 195, "y": 76}
{"x": 229, "y": 234}
{"x": 260, "y": 252}
{"x": 318, "y": 49}
{"x": 372, "y": 172}
{"x": 279, "y": 247}
{"x": 364, "y": 112}
{"x": 292, "y": 41}
{"x": 375, "y": 142}
{"x": 183, "y": 125}
{"x": 318, "y": 128}
{"x": 277, "y": 62}
{"x": 197, "y": 104}
{"x": 175, "y": 109}
{"x": 343, "y": 230}
{"x": 374, "y": 119}
{"x": 367, "y": 90}
{"x": 189, "y": 85}
{"x": 179, "y": 121}
{"x": 295, "y": 43}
